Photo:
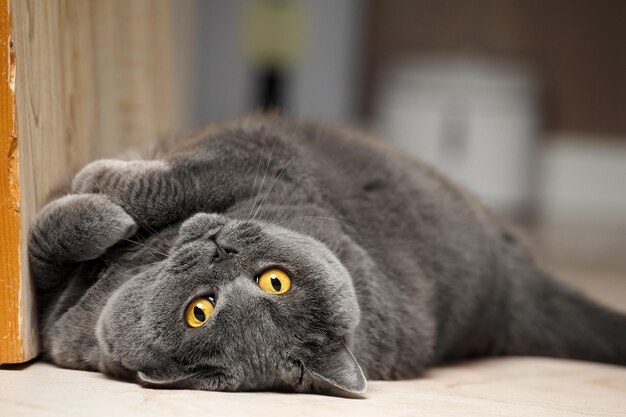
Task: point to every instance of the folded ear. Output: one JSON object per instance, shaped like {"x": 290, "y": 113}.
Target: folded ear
{"x": 336, "y": 365}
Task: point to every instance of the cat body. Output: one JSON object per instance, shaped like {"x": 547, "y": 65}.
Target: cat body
{"x": 393, "y": 269}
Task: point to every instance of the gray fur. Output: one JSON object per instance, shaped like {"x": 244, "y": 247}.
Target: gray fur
{"x": 391, "y": 265}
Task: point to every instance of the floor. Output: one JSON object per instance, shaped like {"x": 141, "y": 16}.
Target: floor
{"x": 493, "y": 387}
{"x": 502, "y": 387}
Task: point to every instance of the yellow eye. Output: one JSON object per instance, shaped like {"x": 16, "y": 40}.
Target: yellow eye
{"x": 198, "y": 312}
{"x": 274, "y": 281}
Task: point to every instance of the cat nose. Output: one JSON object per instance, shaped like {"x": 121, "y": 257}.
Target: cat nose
{"x": 223, "y": 253}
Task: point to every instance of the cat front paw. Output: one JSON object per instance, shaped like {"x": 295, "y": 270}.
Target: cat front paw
{"x": 142, "y": 188}
{"x": 78, "y": 228}
{"x": 114, "y": 176}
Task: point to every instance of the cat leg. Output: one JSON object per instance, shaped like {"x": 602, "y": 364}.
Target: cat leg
{"x": 72, "y": 229}
{"x": 147, "y": 190}
{"x": 213, "y": 177}
{"x": 154, "y": 192}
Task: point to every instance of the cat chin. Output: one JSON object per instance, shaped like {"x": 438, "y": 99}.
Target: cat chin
{"x": 116, "y": 370}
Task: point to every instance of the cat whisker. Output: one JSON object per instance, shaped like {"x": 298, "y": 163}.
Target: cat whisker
{"x": 297, "y": 122}
{"x": 128, "y": 273}
{"x": 150, "y": 248}
{"x": 333, "y": 219}
{"x": 315, "y": 217}
{"x": 255, "y": 178}
{"x": 153, "y": 265}
{"x": 263, "y": 181}
{"x": 272, "y": 186}
{"x": 155, "y": 233}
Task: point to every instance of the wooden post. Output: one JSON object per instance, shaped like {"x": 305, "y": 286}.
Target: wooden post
{"x": 87, "y": 79}
{"x": 17, "y": 330}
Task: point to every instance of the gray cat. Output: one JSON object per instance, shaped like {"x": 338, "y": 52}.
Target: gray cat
{"x": 263, "y": 254}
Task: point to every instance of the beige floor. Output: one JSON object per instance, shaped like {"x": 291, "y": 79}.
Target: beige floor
{"x": 494, "y": 387}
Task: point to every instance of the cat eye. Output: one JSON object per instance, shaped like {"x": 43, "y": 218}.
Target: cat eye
{"x": 274, "y": 281}
{"x": 199, "y": 311}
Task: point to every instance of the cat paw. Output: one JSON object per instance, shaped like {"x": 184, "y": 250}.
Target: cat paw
{"x": 110, "y": 176}
{"x": 79, "y": 227}
{"x": 142, "y": 187}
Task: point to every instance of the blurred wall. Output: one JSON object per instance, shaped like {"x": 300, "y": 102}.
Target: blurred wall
{"x": 576, "y": 46}
{"x": 575, "y": 50}
{"x": 321, "y": 83}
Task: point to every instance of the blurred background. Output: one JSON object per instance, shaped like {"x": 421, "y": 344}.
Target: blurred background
{"x": 521, "y": 101}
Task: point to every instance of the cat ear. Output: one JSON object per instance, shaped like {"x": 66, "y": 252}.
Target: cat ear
{"x": 336, "y": 365}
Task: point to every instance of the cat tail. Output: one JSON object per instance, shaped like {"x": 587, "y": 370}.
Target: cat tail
{"x": 546, "y": 318}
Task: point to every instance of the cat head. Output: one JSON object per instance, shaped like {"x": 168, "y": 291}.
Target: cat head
{"x": 237, "y": 305}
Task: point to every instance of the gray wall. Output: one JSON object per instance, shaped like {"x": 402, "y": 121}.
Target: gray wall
{"x": 220, "y": 81}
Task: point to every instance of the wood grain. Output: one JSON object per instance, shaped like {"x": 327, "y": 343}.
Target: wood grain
{"x": 12, "y": 326}
{"x": 92, "y": 80}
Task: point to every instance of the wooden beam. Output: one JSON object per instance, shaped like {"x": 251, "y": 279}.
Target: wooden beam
{"x": 88, "y": 79}
{"x": 17, "y": 326}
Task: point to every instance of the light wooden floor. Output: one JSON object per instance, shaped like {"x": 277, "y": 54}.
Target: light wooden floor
{"x": 498, "y": 387}
{"x": 494, "y": 387}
